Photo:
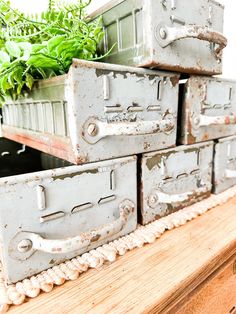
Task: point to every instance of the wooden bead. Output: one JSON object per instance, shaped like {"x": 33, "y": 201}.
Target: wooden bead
{"x": 45, "y": 281}
{"x": 69, "y": 273}
{"x": 30, "y": 290}
{"x": 109, "y": 255}
{"x": 92, "y": 261}
{"x": 14, "y": 296}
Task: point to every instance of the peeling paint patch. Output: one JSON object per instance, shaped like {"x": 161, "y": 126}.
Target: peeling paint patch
{"x": 174, "y": 80}
{"x": 72, "y": 175}
{"x": 153, "y": 162}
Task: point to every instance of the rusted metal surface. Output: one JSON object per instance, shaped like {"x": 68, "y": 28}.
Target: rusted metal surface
{"x": 174, "y": 178}
{"x": 79, "y": 242}
{"x": 50, "y": 216}
{"x": 224, "y": 170}
{"x": 185, "y": 37}
{"x": 72, "y": 269}
{"x": 167, "y": 35}
{"x": 124, "y": 111}
{"x": 47, "y": 143}
{"x": 208, "y": 109}
{"x": 97, "y": 129}
{"x": 215, "y": 120}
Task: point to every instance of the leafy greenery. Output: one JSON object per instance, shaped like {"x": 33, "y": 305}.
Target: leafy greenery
{"x": 36, "y": 47}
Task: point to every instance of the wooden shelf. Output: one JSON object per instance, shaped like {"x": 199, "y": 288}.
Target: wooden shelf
{"x": 170, "y": 276}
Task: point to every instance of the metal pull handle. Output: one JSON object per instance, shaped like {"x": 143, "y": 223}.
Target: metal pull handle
{"x": 94, "y": 129}
{"x": 203, "y": 120}
{"x": 36, "y": 242}
{"x": 167, "y": 35}
{"x": 230, "y": 174}
{"x": 158, "y": 197}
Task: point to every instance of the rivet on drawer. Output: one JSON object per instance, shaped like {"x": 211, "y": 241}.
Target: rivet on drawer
{"x": 52, "y": 216}
{"x": 80, "y": 207}
{"x": 41, "y": 199}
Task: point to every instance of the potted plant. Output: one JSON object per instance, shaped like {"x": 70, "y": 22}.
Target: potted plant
{"x": 42, "y": 46}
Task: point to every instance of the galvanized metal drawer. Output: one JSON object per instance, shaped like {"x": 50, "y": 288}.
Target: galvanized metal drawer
{"x": 97, "y": 112}
{"x": 208, "y": 109}
{"x": 174, "y": 178}
{"x": 184, "y": 36}
{"x": 50, "y": 216}
{"x": 224, "y": 170}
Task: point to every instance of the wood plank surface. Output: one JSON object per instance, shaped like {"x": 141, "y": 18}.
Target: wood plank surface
{"x": 152, "y": 279}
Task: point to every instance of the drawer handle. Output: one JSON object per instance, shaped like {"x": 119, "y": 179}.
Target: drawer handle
{"x": 230, "y": 174}
{"x": 158, "y": 197}
{"x": 81, "y": 241}
{"x": 202, "y": 120}
{"x": 94, "y": 129}
{"x": 166, "y": 35}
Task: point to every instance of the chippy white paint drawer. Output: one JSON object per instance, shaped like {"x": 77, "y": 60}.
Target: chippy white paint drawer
{"x": 208, "y": 109}
{"x": 174, "y": 178}
{"x": 183, "y": 36}
{"x": 49, "y": 216}
{"x": 96, "y": 112}
{"x": 224, "y": 170}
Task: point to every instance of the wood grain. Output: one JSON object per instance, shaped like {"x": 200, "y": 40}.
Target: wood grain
{"x": 152, "y": 279}
{"x": 216, "y": 295}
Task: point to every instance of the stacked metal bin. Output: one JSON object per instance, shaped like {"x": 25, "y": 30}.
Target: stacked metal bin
{"x": 95, "y": 116}
{"x": 209, "y": 113}
{"x": 186, "y": 37}
{"x": 119, "y": 126}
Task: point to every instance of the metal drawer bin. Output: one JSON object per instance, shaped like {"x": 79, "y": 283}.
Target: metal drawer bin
{"x": 97, "y": 112}
{"x": 182, "y": 36}
{"x": 50, "y": 216}
{"x": 208, "y": 109}
{"x": 174, "y": 178}
{"x": 224, "y": 170}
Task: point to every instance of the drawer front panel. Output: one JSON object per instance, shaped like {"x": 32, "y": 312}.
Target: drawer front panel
{"x": 224, "y": 169}
{"x": 107, "y": 111}
{"x": 208, "y": 109}
{"x": 123, "y": 113}
{"x": 184, "y": 36}
{"x": 50, "y": 216}
{"x": 174, "y": 179}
